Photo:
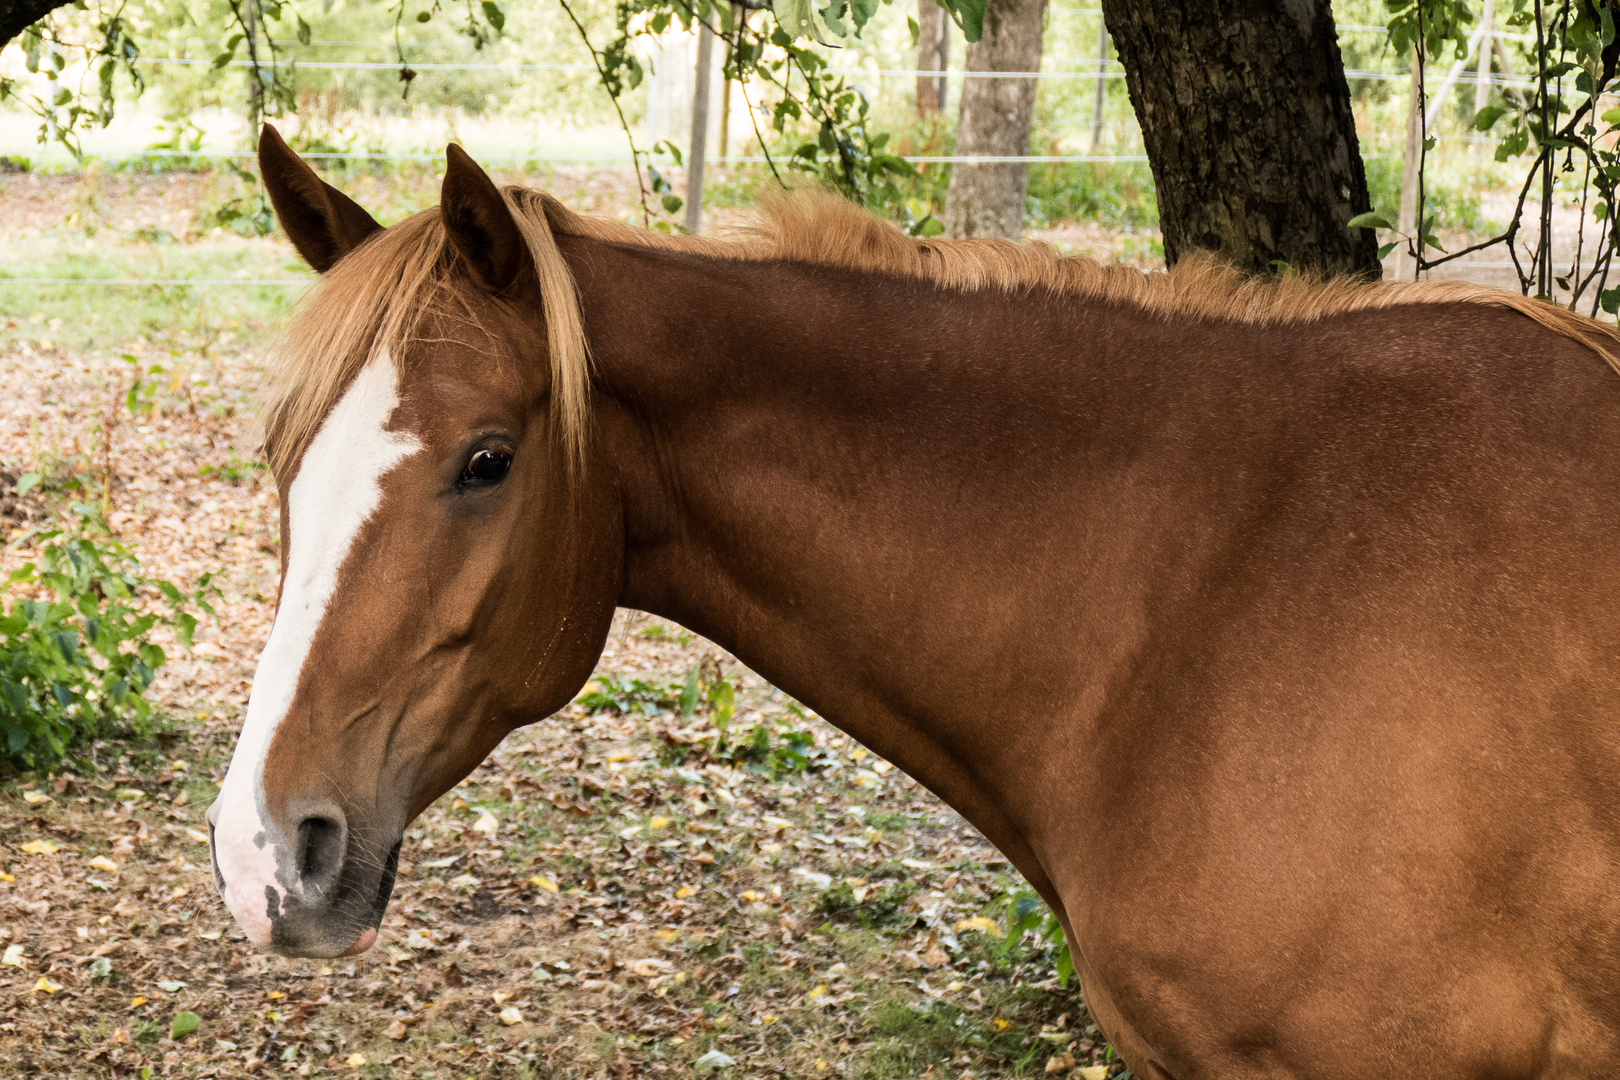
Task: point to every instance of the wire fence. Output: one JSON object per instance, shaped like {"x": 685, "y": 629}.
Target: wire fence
{"x": 1105, "y": 69}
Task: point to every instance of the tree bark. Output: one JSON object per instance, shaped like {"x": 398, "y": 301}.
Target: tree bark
{"x": 18, "y": 15}
{"x": 988, "y": 199}
{"x": 1247, "y": 120}
{"x": 933, "y": 54}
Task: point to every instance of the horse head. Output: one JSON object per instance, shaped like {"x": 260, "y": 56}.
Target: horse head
{"x": 424, "y": 424}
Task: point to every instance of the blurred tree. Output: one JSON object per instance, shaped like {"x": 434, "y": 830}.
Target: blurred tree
{"x": 994, "y": 122}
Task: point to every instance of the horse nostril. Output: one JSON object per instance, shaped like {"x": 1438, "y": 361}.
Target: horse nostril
{"x": 320, "y": 850}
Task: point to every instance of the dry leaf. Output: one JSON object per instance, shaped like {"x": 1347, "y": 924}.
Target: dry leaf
{"x": 1060, "y": 1063}
{"x": 651, "y": 967}
{"x": 510, "y": 1016}
{"x": 40, "y": 847}
{"x": 486, "y": 823}
{"x": 397, "y": 1030}
{"x": 101, "y": 862}
{"x": 35, "y": 797}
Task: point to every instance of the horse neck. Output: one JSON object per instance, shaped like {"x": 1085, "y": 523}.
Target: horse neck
{"x": 848, "y": 482}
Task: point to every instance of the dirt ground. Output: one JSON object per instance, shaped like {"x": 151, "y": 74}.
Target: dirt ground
{"x": 605, "y": 897}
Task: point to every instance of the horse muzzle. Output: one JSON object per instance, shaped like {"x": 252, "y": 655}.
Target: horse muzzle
{"x": 318, "y": 888}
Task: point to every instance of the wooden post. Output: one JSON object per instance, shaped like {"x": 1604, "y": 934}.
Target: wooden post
{"x": 1406, "y": 223}
{"x": 700, "y": 129}
{"x": 1482, "y": 90}
{"x": 1102, "y": 86}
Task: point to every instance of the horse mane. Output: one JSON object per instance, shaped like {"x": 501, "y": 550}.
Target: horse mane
{"x": 375, "y": 296}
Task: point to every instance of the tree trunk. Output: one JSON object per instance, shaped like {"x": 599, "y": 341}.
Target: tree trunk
{"x": 18, "y": 15}
{"x": 933, "y": 54}
{"x": 1246, "y": 115}
{"x": 988, "y": 199}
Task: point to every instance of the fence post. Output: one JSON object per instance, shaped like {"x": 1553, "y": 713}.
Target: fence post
{"x": 700, "y": 129}
{"x": 1102, "y": 85}
{"x": 1404, "y": 266}
{"x": 1482, "y": 89}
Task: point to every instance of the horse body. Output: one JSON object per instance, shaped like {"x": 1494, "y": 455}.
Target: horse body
{"x": 1292, "y": 702}
{"x": 1275, "y": 653}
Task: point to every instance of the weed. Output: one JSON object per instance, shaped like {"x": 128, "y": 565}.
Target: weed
{"x": 869, "y": 906}
{"x": 79, "y": 665}
{"x": 627, "y": 697}
{"x": 236, "y": 469}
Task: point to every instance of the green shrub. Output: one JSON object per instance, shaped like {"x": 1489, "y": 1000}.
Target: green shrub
{"x": 77, "y": 666}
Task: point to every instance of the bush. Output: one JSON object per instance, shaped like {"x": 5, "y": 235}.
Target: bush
{"x": 77, "y": 667}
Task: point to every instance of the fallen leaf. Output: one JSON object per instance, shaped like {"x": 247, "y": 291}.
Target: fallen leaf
{"x": 1093, "y": 1072}
{"x": 183, "y": 1024}
{"x": 510, "y": 1016}
{"x": 354, "y": 1061}
{"x": 540, "y": 881}
{"x": 13, "y": 956}
{"x": 684, "y": 891}
{"x": 440, "y": 864}
{"x": 196, "y": 836}
{"x": 46, "y": 986}
{"x": 818, "y": 992}
{"x": 169, "y": 987}
{"x": 397, "y": 1030}
{"x": 658, "y": 823}
{"x": 714, "y": 1059}
{"x": 137, "y": 1001}
{"x": 486, "y": 823}
{"x": 1060, "y": 1063}
{"x": 1001, "y": 1024}
{"x": 275, "y": 995}
{"x": 101, "y": 862}
{"x": 500, "y": 995}
{"x": 651, "y": 968}
{"x": 40, "y": 847}
{"x": 934, "y": 956}
{"x": 981, "y": 924}
{"x": 35, "y": 797}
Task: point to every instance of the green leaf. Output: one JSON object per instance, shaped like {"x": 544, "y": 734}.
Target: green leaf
{"x": 1384, "y": 250}
{"x": 1489, "y": 115}
{"x": 496, "y": 17}
{"x": 1610, "y": 299}
{"x": 183, "y": 1024}
{"x": 424, "y": 16}
{"x": 25, "y": 483}
{"x": 672, "y": 203}
{"x": 303, "y": 31}
{"x": 1606, "y": 31}
{"x": 969, "y": 15}
{"x": 1370, "y": 220}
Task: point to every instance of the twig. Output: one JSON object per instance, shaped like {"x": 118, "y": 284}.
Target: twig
{"x": 635, "y": 155}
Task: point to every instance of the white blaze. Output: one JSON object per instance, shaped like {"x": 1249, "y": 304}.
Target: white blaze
{"x": 337, "y": 489}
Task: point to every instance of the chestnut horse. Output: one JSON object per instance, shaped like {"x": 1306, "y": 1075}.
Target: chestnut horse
{"x": 1272, "y": 630}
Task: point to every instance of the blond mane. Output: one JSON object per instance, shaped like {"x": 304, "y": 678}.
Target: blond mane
{"x": 376, "y": 295}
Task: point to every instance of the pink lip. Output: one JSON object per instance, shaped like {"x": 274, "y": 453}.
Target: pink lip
{"x": 366, "y": 940}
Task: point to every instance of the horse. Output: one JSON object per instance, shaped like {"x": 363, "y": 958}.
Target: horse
{"x": 1270, "y": 628}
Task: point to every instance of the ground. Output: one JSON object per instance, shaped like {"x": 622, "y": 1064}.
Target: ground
{"x": 621, "y": 890}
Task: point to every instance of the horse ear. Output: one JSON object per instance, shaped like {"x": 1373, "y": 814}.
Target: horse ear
{"x": 480, "y": 224}
{"x": 323, "y": 223}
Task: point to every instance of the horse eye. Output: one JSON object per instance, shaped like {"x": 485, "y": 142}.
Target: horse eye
{"x": 487, "y": 467}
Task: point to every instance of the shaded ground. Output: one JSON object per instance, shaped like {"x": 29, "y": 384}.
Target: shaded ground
{"x": 604, "y": 897}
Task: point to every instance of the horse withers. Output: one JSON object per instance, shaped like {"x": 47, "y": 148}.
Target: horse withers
{"x": 1271, "y": 629}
